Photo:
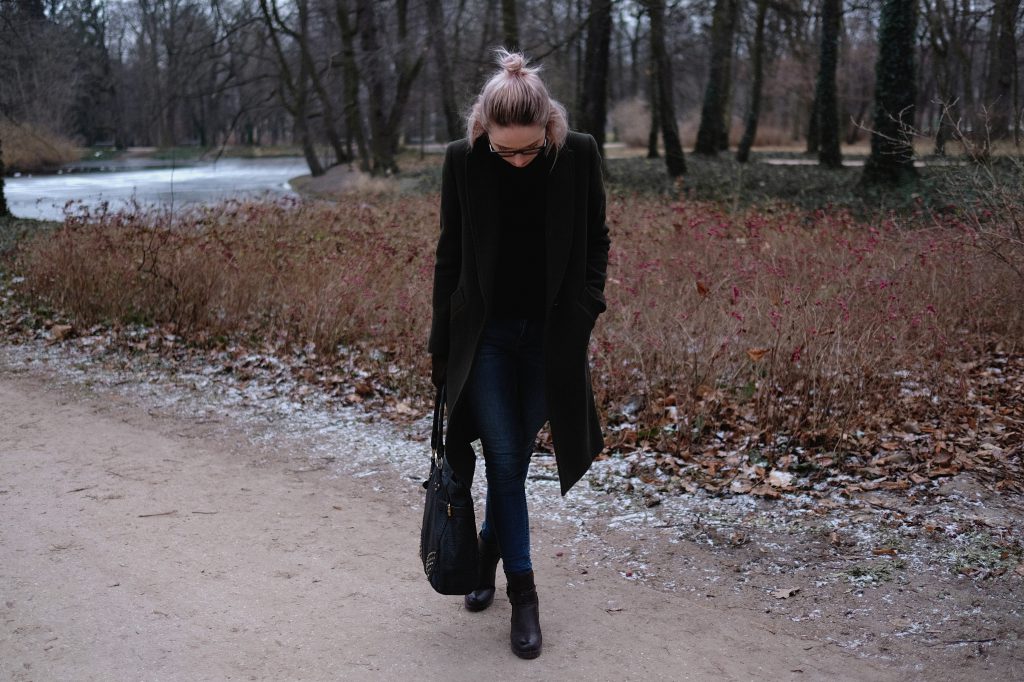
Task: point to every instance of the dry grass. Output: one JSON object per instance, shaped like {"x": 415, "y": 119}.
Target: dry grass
{"x": 29, "y": 148}
{"x": 782, "y": 322}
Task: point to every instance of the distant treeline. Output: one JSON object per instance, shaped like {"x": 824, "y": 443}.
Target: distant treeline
{"x": 348, "y": 80}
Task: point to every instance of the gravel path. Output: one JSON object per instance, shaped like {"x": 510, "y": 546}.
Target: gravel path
{"x": 137, "y": 544}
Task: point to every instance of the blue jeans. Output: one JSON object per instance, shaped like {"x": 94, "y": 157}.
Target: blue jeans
{"x": 506, "y": 391}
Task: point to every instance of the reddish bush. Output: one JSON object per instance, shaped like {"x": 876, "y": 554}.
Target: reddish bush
{"x": 788, "y": 326}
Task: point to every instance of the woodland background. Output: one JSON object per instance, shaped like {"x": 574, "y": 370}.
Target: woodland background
{"x": 350, "y": 80}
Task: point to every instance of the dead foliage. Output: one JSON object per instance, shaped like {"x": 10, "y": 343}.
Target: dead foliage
{"x": 759, "y": 352}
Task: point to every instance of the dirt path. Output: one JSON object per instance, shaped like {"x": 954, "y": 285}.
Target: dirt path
{"x": 139, "y": 546}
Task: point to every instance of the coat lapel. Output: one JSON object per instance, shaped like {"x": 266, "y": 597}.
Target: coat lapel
{"x": 559, "y": 225}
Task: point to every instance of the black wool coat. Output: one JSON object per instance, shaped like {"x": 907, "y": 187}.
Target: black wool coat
{"x": 577, "y": 260}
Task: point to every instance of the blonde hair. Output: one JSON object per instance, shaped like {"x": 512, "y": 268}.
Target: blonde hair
{"x": 516, "y": 96}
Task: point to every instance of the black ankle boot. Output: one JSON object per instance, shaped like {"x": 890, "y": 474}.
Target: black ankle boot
{"x": 525, "y": 635}
{"x": 480, "y": 598}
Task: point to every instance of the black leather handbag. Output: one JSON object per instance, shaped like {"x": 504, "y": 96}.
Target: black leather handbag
{"x": 448, "y": 545}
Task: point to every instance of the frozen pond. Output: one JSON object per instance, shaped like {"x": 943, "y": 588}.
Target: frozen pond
{"x": 45, "y": 196}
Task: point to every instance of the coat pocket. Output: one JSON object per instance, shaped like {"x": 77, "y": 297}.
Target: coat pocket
{"x": 592, "y": 302}
{"x": 457, "y": 301}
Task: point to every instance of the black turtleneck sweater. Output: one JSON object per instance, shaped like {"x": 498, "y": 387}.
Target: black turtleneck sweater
{"x": 519, "y": 283}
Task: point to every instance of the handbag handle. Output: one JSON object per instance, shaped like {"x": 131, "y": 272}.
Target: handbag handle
{"x": 437, "y": 430}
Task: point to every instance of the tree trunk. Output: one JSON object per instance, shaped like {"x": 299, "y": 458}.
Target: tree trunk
{"x": 829, "y": 154}
{"x": 384, "y": 122}
{"x": 301, "y": 37}
{"x": 675, "y": 162}
{"x": 999, "y": 91}
{"x": 594, "y": 101}
{"x": 435, "y": 19}
{"x": 4, "y": 211}
{"x": 634, "y": 53}
{"x": 892, "y": 152}
{"x": 813, "y": 132}
{"x": 330, "y": 128}
{"x": 350, "y": 75}
{"x": 713, "y": 129}
{"x": 382, "y": 160}
{"x": 297, "y": 87}
{"x": 757, "y": 84}
{"x": 509, "y": 25}
{"x": 652, "y": 136}
{"x": 939, "y": 38}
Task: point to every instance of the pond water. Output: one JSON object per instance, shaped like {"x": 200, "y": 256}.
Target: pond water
{"x": 90, "y": 185}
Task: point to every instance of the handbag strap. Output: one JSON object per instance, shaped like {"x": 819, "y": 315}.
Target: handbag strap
{"x": 437, "y": 430}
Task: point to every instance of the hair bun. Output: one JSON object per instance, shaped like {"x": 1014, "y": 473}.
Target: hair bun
{"x": 514, "y": 63}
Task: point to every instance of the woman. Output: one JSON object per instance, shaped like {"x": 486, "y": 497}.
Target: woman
{"x": 518, "y": 284}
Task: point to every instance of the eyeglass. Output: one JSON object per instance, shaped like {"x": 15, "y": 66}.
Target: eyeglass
{"x": 525, "y": 151}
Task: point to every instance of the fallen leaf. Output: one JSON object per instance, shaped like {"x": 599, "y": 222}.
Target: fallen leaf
{"x": 757, "y": 354}
{"x": 780, "y": 479}
{"x": 404, "y": 408}
{"x": 59, "y": 332}
{"x": 702, "y": 288}
{"x": 884, "y": 551}
{"x": 785, "y": 592}
{"x": 766, "y": 491}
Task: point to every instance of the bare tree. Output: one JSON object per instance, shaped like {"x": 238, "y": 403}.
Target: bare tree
{"x": 385, "y": 120}
{"x": 675, "y": 162}
{"x": 438, "y": 45}
{"x": 36, "y": 85}
{"x": 756, "y": 84}
{"x": 509, "y": 24}
{"x": 655, "y": 108}
{"x": 301, "y": 37}
{"x": 349, "y": 65}
{"x": 713, "y": 134}
{"x": 892, "y": 152}
{"x": 294, "y": 87}
{"x": 1002, "y": 71}
{"x": 4, "y": 211}
{"x": 594, "y": 101}
{"x": 827, "y": 103}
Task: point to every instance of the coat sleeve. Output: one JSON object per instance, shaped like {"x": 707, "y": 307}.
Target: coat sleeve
{"x": 598, "y": 241}
{"x": 448, "y": 258}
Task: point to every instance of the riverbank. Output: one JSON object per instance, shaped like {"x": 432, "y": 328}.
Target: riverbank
{"x": 168, "y": 188}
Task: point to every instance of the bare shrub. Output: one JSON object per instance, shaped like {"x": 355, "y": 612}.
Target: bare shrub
{"x": 986, "y": 194}
{"x": 799, "y": 328}
{"x": 808, "y": 322}
{"x": 31, "y": 148}
{"x": 328, "y": 274}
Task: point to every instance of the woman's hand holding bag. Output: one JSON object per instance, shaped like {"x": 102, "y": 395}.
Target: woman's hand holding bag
{"x": 448, "y": 544}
